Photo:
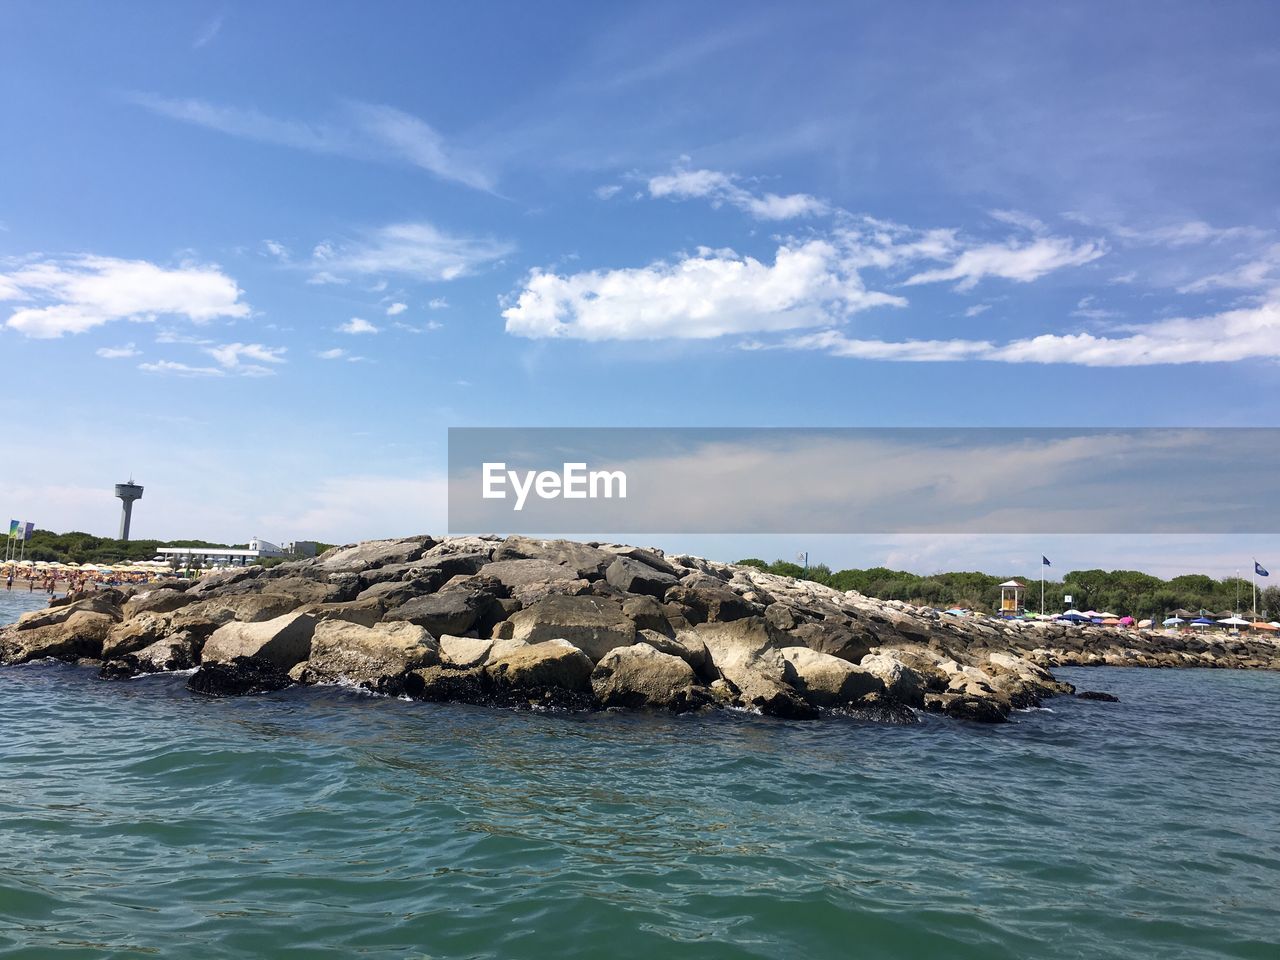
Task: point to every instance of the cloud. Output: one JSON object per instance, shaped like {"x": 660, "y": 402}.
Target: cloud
{"x": 337, "y": 353}
{"x": 977, "y": 310}
{"x": 1021, "y": 263}
{"x": 117, "y": 353}
{"x": 180, "y": 369}
{"x": 210, "y": 30}
{"x": 365, "y": 131}
{"x": 1248, "y": 333}
{"x": 427, "y": 327}
{"x": 277, "y": 249}
{"x": 233, "y": 355}
{"x": 438, "y": 303}
{"x": 416, "y": 250}
{"x": 711, "y": 294}
{"x": 1260, "y": 273}
{"x": 608, "y": 191}
{"x": 75, "y": 294}
{"x": 357, "y": 325}
{"x": 396, "y": 309}
{"x": 1023, "y": 221}
{"x": 722, "y": 188}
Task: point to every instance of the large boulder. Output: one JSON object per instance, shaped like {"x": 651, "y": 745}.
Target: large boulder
{"x": 837, "y": 639}
{"x": 454, "y": 611}
{"x": 745, "y": 654}
{"x": 583, "y": 560}
{"x": 641, "y": 676}
{"x": 827, "y": 681}
{"x": 538, "y": 667}
{"x": 178, "y": 651}
{"x": 711, "y": 601}
{"x": 373, "y": 553}
{"x": 375, "y": 657}
{"x": 594, "y": 625}
{"x": 80, "y": 635}
{"x": 460, "y": 653}
{"x": 901, "y": 683}
{"x": 364, "y": 612}
{"x": 240, "y": 676}
{"x": 207, "y": 615}
{"x": 161, "y": 599}
{"x": 634, "y": 576}
{"x": 282, "y": 642}
{"x": 522, "y": 573}
{"x": 302, "y": 590}
{"x": 445, "y": 684}
{"x": 135, "y": 633}
{"x": 50, "y": 616}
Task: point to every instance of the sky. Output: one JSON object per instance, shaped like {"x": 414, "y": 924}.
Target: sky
{"x": 260, "y": 257}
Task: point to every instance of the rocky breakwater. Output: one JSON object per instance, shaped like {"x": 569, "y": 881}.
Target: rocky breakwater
{"x": 532, "y": 623}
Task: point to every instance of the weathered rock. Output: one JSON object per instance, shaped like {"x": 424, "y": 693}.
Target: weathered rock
{"x": 745, "y": 653}
{"x": 649, "y": 556}
{"x": 647, "y": 614}
{"x": 523, "y": 573}
{"x": 162, "y": 599}
{"x": 592, "y": 624}
{"x": 240, "y": 676}
{"x": 835, "y": 639}
{"x": 135, "y": 633}
{"x": 179, "y": 651}
{"x": 550, "y": 664}
{"x": 900, "y": 682}
{"x": 365, "y": 612}
{"x": 586, "y": 562}
{"x": 392, "y": 593}
{"x": 633, "y": 576}
{"x": 460, "y": 653}
{"x": 376, "y": 657}
{"x": 687, "y": 647}
{"x": 80, "y": 635}
{"x": 282, "y": 641}
{"x": 1097, "y": 695}
{"x": 450, "y": 611}
{"x": 977, "y": 709}
{"x": 302, "y": 590}
{"x": 374, "y": 553}
{"x": 641, "y": 676}
{"x": 441, "y": 684}
{"x": 206, "y": 616}
{"x": 51, "y": 616}
{"x": 711, "y": 601}
{"x": 827, "y": 681}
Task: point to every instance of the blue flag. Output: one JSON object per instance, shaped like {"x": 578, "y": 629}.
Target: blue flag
{"x": 1260, "y": 570}
{"x": 1045, "y": 561}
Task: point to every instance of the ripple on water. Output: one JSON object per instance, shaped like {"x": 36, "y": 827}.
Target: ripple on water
{"x": 139, "y": 819}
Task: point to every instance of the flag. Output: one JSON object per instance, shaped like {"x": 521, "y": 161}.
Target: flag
{"x": 30, "y": 529}
{"x": 1260, "y": 570}
{"x": 14, "y": 527}
{"x": 1045, "y": 560}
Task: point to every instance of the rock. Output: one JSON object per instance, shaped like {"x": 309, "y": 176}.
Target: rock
{"x": 523, "y": 573}
{"x": 586, "y": 562}
{"x": 503, "y": 646}
{"x": 827, "y": 681}
{"x": 592, "y": 624}
{"x": 1097, "y": 695}
{"x": 179, "y": 651}
{"x": 450, "y": 611}
{"x": 80, "y": 635}
{"x": 835, "y": 639}
{"x": 463, "y": 652}
{"x": 688, "y": 648}
{"x": 238, "y": 677}
{"x": 650, "y": 557}
{"x": 282, "y": 641}
{"x": 633, "y": 576}
{"x": 745, "y": 654}
{"x": 207, "y": 615}
{"x": 219, "y": 580}
{"x": 301, "y": 590}
{"x": 977, "y": 709}
{"x": 548, "y": 665}
{"x": 441, "y": 684}
{"x": 373, "y": 553}
{"x": 900, "y": 682}
{"x": 135, "y": 633}
{"x": 52, "y": 616}
{"x": 376, "y": 657}
{"x": 392, "y": 593}
{"x": 641, "y": 676}
{"x": 647, "y": 614}
{"x": 711, "y": 601}
{"x": 364, "y": 612}
{"x": 162, "y": 599}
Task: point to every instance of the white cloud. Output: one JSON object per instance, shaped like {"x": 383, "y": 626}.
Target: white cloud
{"x": 711, "y": 294}
{"x": 416, "y": 250}
{"x": 1189, "y": 233}
{"x": 180, "y": 369}
{"x": 233, "y": 355}
{"x": 977, "y": 310}
{"x": 608, "y": 191}
{"x": 1247, "y": 333}
{"x": 117, "y": 353}
{"x": 1011, "y": 261}
{"x": 365, "y": 131}
{"x": 427, "y": 327}
{"x": 396, "y": 309}
{"x": 357, "y": 325}
{"x": 277, "y": 249}
{"x": 75, "y": 294}
{"x": 724, "y": 188}
{"x": 1257, "y": 274}
{"x": 1016, "y": 218}
{"x": 210, "y": 30}
{"x": 438, "y": 303}
{"x": 336, "y": 353}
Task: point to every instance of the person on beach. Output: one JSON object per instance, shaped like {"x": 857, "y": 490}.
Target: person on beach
{"x": 8, "y": 582}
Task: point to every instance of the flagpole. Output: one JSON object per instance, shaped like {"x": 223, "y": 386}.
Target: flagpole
{"x": 1255, "y": 589}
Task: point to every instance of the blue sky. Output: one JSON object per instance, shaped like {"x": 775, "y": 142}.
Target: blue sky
{"x": 263, "y": 255}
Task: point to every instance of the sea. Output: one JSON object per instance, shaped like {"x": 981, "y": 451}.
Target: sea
{"x": 140, "y": 820}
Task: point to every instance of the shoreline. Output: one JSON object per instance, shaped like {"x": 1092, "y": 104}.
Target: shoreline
{"x": 517, "y": 622}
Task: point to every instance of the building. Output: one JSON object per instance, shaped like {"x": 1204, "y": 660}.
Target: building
{"x": 1011, "y": 598}
{"x": 222, "y": 556}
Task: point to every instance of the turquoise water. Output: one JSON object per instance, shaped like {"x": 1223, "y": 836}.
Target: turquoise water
{"x": 137, "y": 821}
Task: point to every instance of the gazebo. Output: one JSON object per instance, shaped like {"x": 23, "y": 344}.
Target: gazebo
{"x": 1011, "y": 597}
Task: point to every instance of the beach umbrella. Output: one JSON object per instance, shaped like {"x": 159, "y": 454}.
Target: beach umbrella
{"x": 1111, "y": 622}
{"x": 1074, "y": 615}
{"x": 1173, "y": 621}
{"x": 1128, "y": 621}
{"x": 1265, "y": 626}
{"x": 1107, "y": 616}
{"x": 1234, "y": 621}
{"x": 1202, "y": 622}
